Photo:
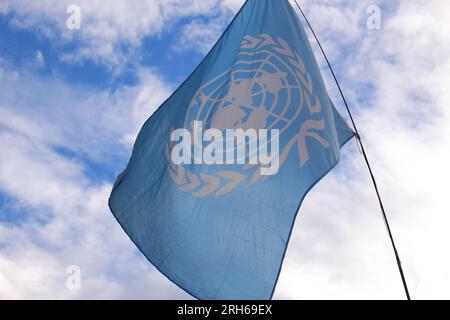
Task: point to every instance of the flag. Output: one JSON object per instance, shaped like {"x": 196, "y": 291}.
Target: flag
{"x": 219, "y": 171}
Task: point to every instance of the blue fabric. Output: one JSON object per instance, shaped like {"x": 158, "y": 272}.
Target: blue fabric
{"x": 221, "y": 231}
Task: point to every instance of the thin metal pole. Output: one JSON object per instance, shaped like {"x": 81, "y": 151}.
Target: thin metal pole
{"x": 359, "y": 140}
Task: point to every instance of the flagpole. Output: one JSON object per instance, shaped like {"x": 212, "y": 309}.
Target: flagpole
{"x": 359, "y": 141}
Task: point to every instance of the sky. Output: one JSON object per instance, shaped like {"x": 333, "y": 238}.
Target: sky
{"x": 73, "y": 100}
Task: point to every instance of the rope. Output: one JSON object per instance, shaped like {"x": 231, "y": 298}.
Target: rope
{"x": 359, "y": 141}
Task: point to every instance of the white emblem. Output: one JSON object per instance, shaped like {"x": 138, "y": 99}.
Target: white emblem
{"x": 267, "y": 88}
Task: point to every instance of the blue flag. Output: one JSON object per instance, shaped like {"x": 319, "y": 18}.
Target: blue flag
{"x": 219, "y": 171}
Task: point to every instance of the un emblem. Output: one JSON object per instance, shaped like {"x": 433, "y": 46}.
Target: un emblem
{"x": 267, "y": 88}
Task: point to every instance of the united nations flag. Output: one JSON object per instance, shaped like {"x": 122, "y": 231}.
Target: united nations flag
{"x": 218, "y": 173}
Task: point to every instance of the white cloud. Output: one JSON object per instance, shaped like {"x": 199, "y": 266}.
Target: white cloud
{"x": 72, "y": 117}
{"x": 232, "y": 5}
{"x": 109, "y": 32}
{"x": 69, "y": 222}
{"x": 39, "y": 59}
{"x": 339, "y": 248}
{"x": 200, "y": 36}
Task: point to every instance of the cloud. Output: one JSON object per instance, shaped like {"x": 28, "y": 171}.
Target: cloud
{"x": 200, "y": 36}
{"x": 72, "y": 117}
{"x": 339, "y": 248}
{"x": 109, "y": 32}
{"x": 39, "y": 59}
{"x": 232, "y": 5}
{"x": 69, "y": 222}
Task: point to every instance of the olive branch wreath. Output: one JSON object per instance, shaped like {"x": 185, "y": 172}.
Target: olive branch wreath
{"x": 203, "y": 185}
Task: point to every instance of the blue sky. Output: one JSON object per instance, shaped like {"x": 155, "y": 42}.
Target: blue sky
{"x": 72, "y": 102}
